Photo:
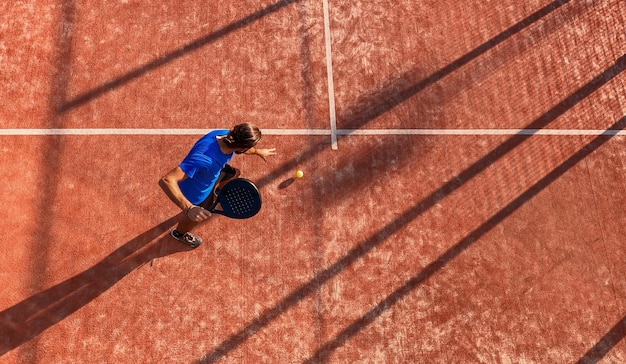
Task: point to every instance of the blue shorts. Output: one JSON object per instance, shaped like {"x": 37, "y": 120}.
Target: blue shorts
{"x": 227, "y": 172}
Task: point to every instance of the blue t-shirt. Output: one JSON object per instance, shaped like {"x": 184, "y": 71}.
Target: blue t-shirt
{"x": 203, "y": 165}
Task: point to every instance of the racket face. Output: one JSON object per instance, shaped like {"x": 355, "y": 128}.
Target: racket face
{"x": 239, "y": 199}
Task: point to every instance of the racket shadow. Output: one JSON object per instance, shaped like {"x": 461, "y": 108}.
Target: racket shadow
{"x": 30, "y": 317}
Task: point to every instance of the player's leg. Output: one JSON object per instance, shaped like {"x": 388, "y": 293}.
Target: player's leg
{"x": 185, "y": 225}
{"x": 182, "y": 232}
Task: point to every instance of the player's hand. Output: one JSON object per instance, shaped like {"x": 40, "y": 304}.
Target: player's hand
{"x": 197, "y": 213}
{"x": 265, "y": 152}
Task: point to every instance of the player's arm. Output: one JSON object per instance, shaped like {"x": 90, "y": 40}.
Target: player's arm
{"x": 261, "y": 152}
{"x": 169, "y": 184}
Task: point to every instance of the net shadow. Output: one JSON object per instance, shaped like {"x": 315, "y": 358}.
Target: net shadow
{"x": 365, "y": 113}
{"x": 396, "y": 92}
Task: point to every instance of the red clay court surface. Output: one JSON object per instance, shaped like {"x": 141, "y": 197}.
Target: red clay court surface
{"x": 463, "y": 198}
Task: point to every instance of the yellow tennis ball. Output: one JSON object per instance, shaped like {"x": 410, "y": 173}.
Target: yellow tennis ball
{"x": 299, "y": 174}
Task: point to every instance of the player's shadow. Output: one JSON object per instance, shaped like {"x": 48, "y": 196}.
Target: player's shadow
{"x": 30, "y": 317}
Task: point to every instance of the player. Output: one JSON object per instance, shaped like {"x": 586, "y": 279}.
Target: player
{"x": 193, "y": 185}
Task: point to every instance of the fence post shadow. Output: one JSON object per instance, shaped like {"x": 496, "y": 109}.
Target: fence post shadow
{"x": 605, "y": 344}
{"x": 30, "y": 317}
{"x": 432, "y": 199}
{"x": 395, "y": 93}
{"x": 167, "y": 58}
{"x": 323, "y": 353}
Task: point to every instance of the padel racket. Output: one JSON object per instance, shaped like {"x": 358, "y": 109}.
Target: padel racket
{"x": 238, "y": 199}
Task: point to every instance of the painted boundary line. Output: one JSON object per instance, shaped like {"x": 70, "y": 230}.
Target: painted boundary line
{"x": 313, "y": 132}
{"x": 329, "y": 75}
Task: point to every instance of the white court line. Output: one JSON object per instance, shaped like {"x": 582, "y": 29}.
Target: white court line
{"x": 136, "y": 131}
{"x": 476, "y": 132}
{"x": 329, "y": 75}
{"x": 313, "y": 132}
